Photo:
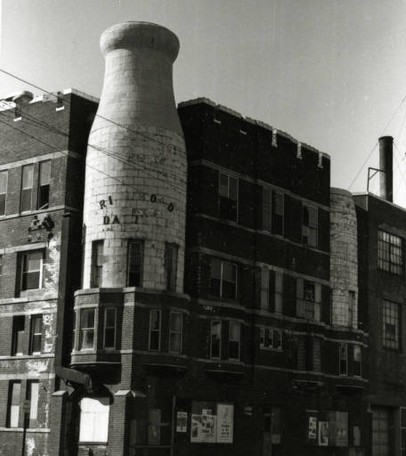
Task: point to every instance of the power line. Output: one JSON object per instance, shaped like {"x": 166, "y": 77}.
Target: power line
{"x": 374, "y": 147}
{"x": 97, "y": 115}
{"x": 35, "y": 121}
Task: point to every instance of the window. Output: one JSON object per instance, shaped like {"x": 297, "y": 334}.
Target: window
{"x": 175, "y": 332}
{"x": 135, "y": 263}
{"x": 33, "y": 396}
{"x": 271, "y": 338}
{"x": 308, "y": 299}
{"x": 31, "y": 264}
{"x": 215, "y": 339}
{"x": 43, "y": 184}
{"x": 390, "y": 253}
{"x": 97, "y": 264}
{"x": 155, "y": 330}
{"x": 343, "y": 359}
{"x": 390, "y": 321}
{"x": 17, "y": 345}
{"x": 273, "y": 424}
{"x": 94, "y": 419}
{"x": 36, "y": 334}
{"x": 110, "y": 324}
{"x": 266, "y": 209}
{"x": 171, "y": 265}
{"x": 234, "y": 339}
{"x": 278, "y": 292}
{"x": 357, "y": 371}
{"x": 271, "y": 290}
{"x": 228, "y": 197}
{"x": 309, "y": 225}
{"x": 26, "y": 188}
{"x": 278, "y": 213}
{"x": 13, "y": 409}
{"x": 223, "y": 282}
{"x": 154, "y": 426}
{"x": 3, "y": 191}
{"x": 352, "y": 310}
{"x": 309, "y": 354}
{"x": 87, "y": 326}
{"x": 380, "y": 432}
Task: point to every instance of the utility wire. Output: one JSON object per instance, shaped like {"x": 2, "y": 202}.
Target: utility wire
{"x": 374, "y": 147}
{"x": 97, "y": 115}
{"x": 107, "y": 152}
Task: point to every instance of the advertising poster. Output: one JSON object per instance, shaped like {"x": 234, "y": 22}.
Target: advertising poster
{"x": 323, "y": 433}
{"x": 225, "y": 421}
{"x": 181, "y": 421}
{"x": 312, "y": 433}
{"x": 203, "y": 428}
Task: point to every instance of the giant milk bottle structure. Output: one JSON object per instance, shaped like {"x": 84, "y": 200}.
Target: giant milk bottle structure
{"x": 135, "y": 184}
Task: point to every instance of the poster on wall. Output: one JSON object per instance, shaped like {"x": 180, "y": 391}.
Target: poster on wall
{"x": 225, "y": 421}
{"x": 312, "y": 432}
{"x": 203, "y": 428}
{"x": 323, "y": 433}
{"x": 212, "y": 423}
{"x": 181, "y": 421}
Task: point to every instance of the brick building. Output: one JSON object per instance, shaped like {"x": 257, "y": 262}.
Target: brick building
{"x": 381, "y": 237}
{"x": 141, "y": 317}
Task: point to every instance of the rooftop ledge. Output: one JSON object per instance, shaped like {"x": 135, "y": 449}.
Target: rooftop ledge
{"x": 207, "y": 101}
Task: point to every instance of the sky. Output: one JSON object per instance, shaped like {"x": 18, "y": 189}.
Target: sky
{"x": 331, "y": 73}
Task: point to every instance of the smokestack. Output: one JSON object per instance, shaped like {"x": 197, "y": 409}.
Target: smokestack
{"x": 386, "y": 167}
{"x": 135, "y": 187}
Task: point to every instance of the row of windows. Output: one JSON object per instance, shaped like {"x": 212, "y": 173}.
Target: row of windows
{"x": 87, "y": 329}
{"x": 224, "y": 284}
{"x": 27, "y": 202}
{"x": 273, "y": 210}
{"x": 135, "y": 264}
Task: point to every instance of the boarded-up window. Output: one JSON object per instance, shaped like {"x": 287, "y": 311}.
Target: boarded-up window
{"x": 94, "y": 419}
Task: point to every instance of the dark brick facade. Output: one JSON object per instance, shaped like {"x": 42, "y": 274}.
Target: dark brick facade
{"x": 259, "y": 278}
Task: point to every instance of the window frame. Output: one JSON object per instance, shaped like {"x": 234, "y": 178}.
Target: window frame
{"x": 3, "y": 205}
{"x": 392, "y": 308}
{"x": 17, "y": 337}
{"x": 222, "y": 280}
{"x": 390, "y": 255}
{"x": 343, "y": 360}
{"x": 84, "y": 330}
{"x": 171, "y": 265}
{"x": 234, "y": 341}
{"x": 42, "y": 186}
{"x": 267, "y": 337}
{"x": 175, "y": 332}
{"x": 155, "y": 330}
{"x": 307, "y": 306}
{"x": 310, "y": 224}
{"x": 97, "y": 263}
{"x": 23, "y": 263}
{"x": 34, "y": 335}
{"x": 357, "y": 362}
{"x": 14, "y": 404}
{"x": 34, "y": 401}
{"x": 105, "y": 328}
{"x": 25, "y": 188}
{"x": 227, "y": 197}
{"x": 217, "y": 324}
{"x": 140, "y": 245}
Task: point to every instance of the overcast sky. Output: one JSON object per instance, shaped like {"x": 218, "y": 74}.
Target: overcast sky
{"x": 332, "y": 73}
